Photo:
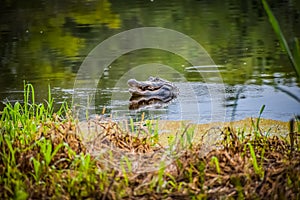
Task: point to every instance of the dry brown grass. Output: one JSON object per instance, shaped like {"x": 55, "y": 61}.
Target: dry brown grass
{"x": 224, "y": 172}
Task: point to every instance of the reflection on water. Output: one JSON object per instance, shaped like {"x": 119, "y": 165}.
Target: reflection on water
{"x": 46, "y": 42}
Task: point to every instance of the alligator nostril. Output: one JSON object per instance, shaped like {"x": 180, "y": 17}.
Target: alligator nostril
{"x": 130, "y": 82}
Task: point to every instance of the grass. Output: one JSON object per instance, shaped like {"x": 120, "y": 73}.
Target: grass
{"x": 42, "y": 157}
{"x": 293, "y": 53}
{"x": 257, "y": 169}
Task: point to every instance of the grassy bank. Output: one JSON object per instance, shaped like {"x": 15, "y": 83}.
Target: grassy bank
{"x": 44, "y": 155}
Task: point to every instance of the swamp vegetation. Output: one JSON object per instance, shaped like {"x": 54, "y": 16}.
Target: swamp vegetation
{"x": 42, "y": 157}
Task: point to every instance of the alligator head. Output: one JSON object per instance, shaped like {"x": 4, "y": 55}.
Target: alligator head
{"x": 152, "y": 92}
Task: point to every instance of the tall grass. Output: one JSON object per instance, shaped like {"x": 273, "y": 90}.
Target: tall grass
{"x": 20, "y": 124}
{"x": 293, "y": 53}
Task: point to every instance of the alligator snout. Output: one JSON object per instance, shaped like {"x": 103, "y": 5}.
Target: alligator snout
{"x": 132, "y": 83}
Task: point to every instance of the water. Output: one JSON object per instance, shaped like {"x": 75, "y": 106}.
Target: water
{"x": 45, "y": 43}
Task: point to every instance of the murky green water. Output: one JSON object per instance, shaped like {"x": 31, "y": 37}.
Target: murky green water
{"x": 46, "y": 42}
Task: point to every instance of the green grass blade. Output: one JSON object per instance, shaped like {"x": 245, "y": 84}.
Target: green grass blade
{"x": 215, "y": 160}
{"x": 259, "y": 116}
{"x": 296, "y": 54}
{"x": 11, "y": 149}
{"x": 280, "y": 36}
{"x": 258, "y": 170}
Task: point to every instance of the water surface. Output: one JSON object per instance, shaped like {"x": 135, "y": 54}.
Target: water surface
{"x": 44, "y": 43}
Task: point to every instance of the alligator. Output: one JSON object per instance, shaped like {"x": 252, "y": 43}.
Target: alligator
{"x": 154, "y": 92}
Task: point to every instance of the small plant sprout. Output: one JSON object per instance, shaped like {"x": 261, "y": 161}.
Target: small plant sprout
{"x": 46, "y": 150}
{"x": 85, "y": 162}
{"x": 11, "y": 156}
{"x": 158, "y": 180}
{"x": 155, "y": 137}
{"x": 258, "y": 170}
{"x": 257, "y": 131}
{"x": 190, "y": 136}
{"x": 160, "y": 177}
{"x": 50, "y": 108}
{"x": 131, "y": 124}
{"x": 215, "y": 161}
{"x": 125, "y": 176}
{"x": 128, "y": 164}
{"x": 37, "y": 166}
{"x": 28, "y": 88}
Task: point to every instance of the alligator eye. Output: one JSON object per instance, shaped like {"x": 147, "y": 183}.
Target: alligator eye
{"x": 151, "y": 88}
